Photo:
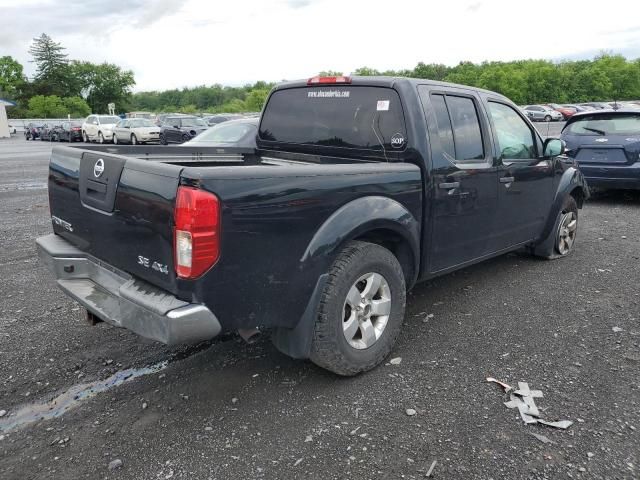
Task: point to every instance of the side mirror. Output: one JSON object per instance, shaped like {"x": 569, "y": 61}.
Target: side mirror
{"x": 176, "y": 126}
{"x": 553, "y": 147}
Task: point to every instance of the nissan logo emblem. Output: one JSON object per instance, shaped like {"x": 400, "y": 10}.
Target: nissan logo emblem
{"x": 98, "y": 168}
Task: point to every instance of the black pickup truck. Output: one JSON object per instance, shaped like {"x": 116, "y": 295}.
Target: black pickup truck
{"x": 358, "y": 189}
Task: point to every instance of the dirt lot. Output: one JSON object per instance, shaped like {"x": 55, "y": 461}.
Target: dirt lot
{"x": 230, "y": 410}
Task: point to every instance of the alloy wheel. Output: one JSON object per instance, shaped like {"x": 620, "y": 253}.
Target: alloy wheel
{"x": 366, "y": 310}
{"x": 567, "y": 232}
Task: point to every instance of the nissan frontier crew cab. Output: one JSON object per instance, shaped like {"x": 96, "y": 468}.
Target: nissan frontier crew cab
{"x": 358, "y": 188}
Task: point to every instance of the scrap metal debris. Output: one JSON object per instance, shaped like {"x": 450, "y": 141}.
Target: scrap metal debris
{"x": 433, "y": 465}
{"x": 523, "y": 400}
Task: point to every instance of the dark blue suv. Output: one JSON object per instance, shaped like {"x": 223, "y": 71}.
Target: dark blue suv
{"x": 606, "y": 145}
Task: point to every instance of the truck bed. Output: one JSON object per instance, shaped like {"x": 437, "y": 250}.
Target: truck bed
{"x": 272, "y": 218}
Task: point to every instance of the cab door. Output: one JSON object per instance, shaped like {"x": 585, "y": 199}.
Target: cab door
{"x": 463, "y": 178}
{"x": 525, "y": 177}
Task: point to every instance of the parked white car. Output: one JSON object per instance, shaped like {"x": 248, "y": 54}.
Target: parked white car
{"x": 135, "y": 131}
{"x": 99, "y": 128}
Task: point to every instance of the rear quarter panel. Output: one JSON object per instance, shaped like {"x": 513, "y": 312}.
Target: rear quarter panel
{"x": 265, "y": 275}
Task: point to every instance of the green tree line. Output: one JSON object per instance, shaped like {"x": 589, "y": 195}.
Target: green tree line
{"x": 606, "y": 77}
{"x": 213, "y": 99}
{"x": 62, "y": 86}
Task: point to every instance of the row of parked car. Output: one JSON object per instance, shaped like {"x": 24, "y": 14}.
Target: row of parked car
{"x": 175, "y": 129}
{"x": 554, "y": 112}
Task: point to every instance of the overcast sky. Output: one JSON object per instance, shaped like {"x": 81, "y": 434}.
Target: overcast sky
{"x": 177, "y": 43}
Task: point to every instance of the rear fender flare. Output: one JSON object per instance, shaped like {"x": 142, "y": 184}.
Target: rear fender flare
{"x": 355, "y": 219}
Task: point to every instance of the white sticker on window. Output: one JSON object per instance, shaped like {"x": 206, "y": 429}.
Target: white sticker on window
{"x": 383, "y": 105}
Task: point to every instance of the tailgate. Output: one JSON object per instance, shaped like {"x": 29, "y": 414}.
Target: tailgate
{"x": 118, "y": 209}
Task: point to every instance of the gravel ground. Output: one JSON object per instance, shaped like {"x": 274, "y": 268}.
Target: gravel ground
{"x": 226, "y": 409}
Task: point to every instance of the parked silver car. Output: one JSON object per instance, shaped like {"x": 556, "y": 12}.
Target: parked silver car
{"x": 542, "y": 113}
{"x": 135, "y": 131}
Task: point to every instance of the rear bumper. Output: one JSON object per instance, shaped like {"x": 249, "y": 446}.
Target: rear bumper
{"x": 614, "y": 176}
{"x": 122, "y": 300}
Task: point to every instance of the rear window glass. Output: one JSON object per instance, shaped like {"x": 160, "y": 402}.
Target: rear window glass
{"x": 359, "y": 117}
{"x": 619, "y": 124}
{"x": 225, "y": 133}
{"x": 108, "y": 120}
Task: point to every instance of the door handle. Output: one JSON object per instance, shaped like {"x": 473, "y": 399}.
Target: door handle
{"x": 448, "y": 185}
{"x": 507, "y": 179}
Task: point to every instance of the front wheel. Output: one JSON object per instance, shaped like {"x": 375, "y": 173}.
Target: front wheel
{"x": 163, "y": 141}
{"x": 115, "y": 139}
{"x": 85, "y": 138}
{"x": 547, "y": 118}
{"x": 562, "y": 238}
{"x": 134, "y": 139}
{"x": 361, "y": 310}
{"x": 100, "y": 137}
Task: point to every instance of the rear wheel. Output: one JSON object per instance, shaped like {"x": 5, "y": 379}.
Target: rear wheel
{"x": 85, "y": 139}
{"x": 547, "y": 118}
{"x": 134, "y": 139}
{"x": 361, "y": 310}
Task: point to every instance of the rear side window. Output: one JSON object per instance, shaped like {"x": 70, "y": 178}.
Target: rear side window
{"x": 466, "y": 128}
{"x": 445, "y": 130}
{"x": 354, "y": 117}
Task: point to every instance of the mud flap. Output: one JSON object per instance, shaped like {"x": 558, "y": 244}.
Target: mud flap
{"x": 296, "y": 342}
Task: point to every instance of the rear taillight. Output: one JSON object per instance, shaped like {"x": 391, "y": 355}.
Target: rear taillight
{"x": 196, "y": 233}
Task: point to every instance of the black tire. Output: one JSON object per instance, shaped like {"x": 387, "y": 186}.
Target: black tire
{"x": 550, "y": 248}
{"x": 163, "y": 140}
{"x": 185, "y": 138}
{"x": 85, "y": 137}
{"x": 134, "y": 139}
{"x": 101, "y": 139}
{"x": 547, "y": 118}
{"x": 330, "y": 348}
